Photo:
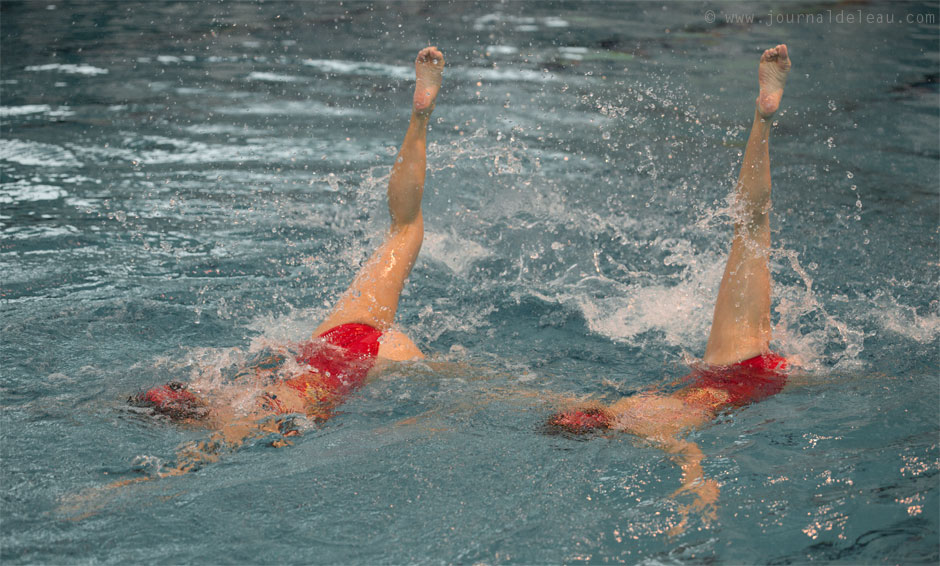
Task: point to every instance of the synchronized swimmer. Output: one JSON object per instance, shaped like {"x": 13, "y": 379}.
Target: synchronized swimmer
{"x": 357, "y": 333}
{"x": 739, "y": 367}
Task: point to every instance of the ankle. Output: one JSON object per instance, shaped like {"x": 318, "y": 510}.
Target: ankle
{"x": 422, "y": 115}
{"x": 762, "y": 122}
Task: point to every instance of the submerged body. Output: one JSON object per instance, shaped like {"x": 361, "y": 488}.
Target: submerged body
{"x": 707, "y": 391}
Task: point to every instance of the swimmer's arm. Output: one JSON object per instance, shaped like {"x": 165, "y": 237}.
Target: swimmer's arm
{"x": 195, "y": 455}
{"x": 688, "y": 456}
{"x": 233, "y": 434}
{"x": 663, "y": 421}
{"x": 189, "y": 458}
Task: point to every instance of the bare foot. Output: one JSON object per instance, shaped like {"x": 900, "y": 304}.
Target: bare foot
{"x": 428, "y": 68}
{"x": 772, "y": 75}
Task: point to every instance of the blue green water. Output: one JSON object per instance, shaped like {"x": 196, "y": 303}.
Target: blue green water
{"x": 186, "y": 184}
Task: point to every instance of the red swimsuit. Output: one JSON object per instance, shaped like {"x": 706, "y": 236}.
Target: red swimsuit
{"x": 340, "y": 357}
{"x": 745, "y": 382}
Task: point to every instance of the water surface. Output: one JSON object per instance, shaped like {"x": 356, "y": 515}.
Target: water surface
{"x": 186, "y": 184}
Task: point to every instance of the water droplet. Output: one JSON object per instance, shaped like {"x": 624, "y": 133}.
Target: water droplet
{"x": 850, "y": 175}
{"x": 606, "y": 135}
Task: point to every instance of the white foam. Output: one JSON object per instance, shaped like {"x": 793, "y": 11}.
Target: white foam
{"x": 679, "y": 308}
{"x": 502, "y": 49}
{"x": 525, "y": 75}
{"x": 458, "y": 254}
{"x": 291, "y": 107}
{"x": 194, "y": 152}
{"x": 521, "y": 23}
{"x": 486, "y": 19}
{"x": 904, "y": 320}
{"x": 37, "y": 154}
{"x": 296, "y": 326}
{"x": 6, "y": 111}
{"x": 23, "y": 191}
{"x": 682, "y": 313}
{"x": 441, "y": 316}
{"x": 231, "y": 129}
{"x": 168, "y": 59}
{"x": 273, "y": 77}
{"x": 82, "y": 204}
{"x": 339, "y": 67}
{"x": 39, "y": 231}
{"x": 574, "y": 53}
{"x": 69, "y": 69}
{"x": 61, "y": 112}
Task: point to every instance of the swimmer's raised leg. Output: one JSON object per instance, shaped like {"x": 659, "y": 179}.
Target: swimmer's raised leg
{"x": 741, "y": 324}
{"x": 372, "y": 298}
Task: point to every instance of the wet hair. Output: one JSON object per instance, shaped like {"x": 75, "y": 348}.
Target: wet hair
{"x": 174, "y": 400}
{"x": 578, "y": 421}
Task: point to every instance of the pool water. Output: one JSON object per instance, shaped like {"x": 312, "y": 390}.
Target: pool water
{"x": 186, "y": 185}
